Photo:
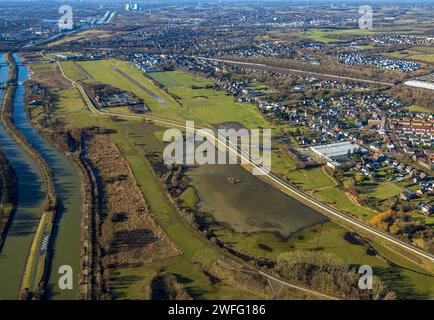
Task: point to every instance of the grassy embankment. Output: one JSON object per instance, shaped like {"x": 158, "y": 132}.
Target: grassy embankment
{"x": 8, "y": 196}
{"x": 36, "y": 266}
{"x": 8, "y": 180}
{"x": 311, "y": 179}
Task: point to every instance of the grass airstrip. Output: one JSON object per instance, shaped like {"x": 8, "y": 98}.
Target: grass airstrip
{"x": 209, "y": 106}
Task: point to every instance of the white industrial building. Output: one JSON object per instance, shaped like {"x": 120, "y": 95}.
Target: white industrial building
{"x": 420, "y": 84}
{"x": 334, "y": 152}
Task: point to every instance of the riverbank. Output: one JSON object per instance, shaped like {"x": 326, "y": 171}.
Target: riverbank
{"x": 30, "y": 201}
{"x": 66, "y": 233}
{"x": 33, "y": 281}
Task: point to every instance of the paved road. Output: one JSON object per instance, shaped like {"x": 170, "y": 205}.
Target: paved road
{"x": 312, "y": 201}
{"x": 326, "y": 75}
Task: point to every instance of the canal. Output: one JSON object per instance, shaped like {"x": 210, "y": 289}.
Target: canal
{"x": 13, "y": 256}
{"x": 67, "y": 242}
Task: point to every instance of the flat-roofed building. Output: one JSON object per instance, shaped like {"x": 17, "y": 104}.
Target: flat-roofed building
{"x": 420, "y": 84}
{"x": 336, "y": 150}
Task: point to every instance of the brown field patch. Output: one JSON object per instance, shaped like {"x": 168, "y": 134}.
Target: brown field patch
{"x": 130, "y": 235}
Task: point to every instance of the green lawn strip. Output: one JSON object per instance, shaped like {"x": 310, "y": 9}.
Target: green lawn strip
{"x": 381, "y": 190}
{"x": 72, "y": 72}
{"x": 338, "y": 199}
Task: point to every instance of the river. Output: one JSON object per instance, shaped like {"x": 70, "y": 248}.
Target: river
{"x": 29, "y": 207}
{"x": 67, "y": 242}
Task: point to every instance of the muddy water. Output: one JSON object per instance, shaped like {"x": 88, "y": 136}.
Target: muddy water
{"x": 248, "y": 206}
{"x": 29, "y": 207}
{"x": 67, "y": 242}
{"x": 251, "y": 205}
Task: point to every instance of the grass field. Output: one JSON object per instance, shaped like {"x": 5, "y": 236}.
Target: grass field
{"x": 72, "y": 72}
{"x": 178, "y": 79}
{"x": 415, "y": 108}
{"x": 201, "y": 105}
{"x": 208, "y": 105}
{"x": 311, "y": 179}
{"x": 421, "y": 54}
{"x": 338, "y": 199}
{"x": 324, "y": 35}
{"x": 406, "y": 279}
{"x": 133, "y": 283}
{"x": 383, "y": 190}
{"x": 189, "y": 198}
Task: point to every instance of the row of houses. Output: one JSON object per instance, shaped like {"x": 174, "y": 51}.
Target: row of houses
{"x": 351, "y": 58}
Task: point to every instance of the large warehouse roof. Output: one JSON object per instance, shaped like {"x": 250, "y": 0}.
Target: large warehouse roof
{"x": 337, "y": 149}
{"x": 420, "y": 84}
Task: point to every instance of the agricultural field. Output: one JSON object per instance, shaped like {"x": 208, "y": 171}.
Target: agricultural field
{"x": 327, "y": 36}
{"x": 206, "y": 104}
{"x": 334, "y": 35}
